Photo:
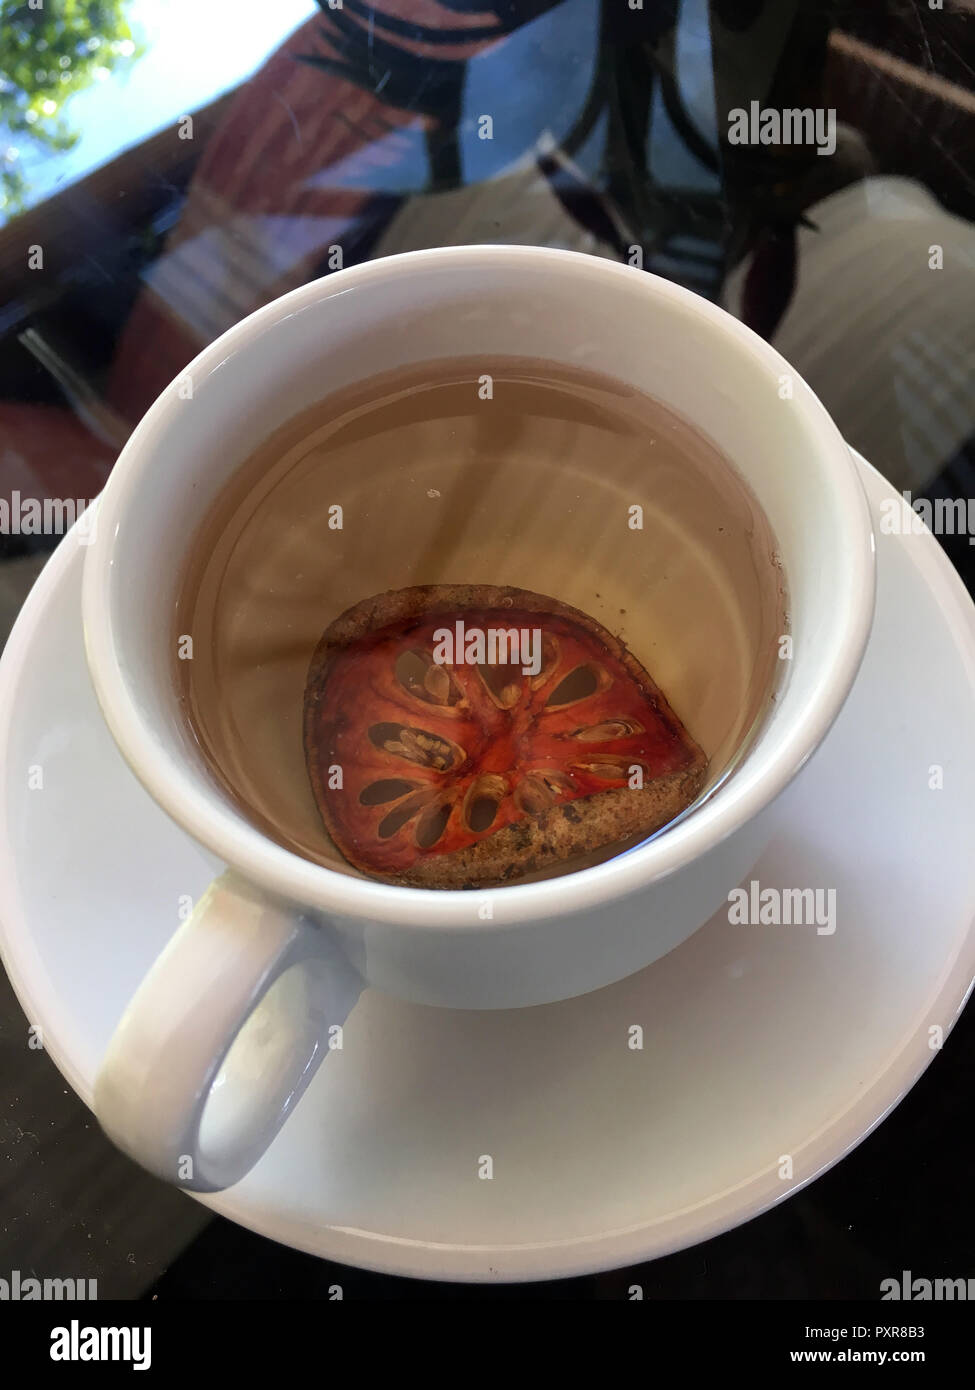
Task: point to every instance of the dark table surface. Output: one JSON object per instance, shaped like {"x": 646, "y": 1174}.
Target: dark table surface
{"x": 181, "y": 165}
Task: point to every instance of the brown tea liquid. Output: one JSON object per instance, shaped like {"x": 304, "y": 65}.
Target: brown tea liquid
{"x": 501, "y": 471}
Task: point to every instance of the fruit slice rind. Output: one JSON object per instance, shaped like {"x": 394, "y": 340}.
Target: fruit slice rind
{"x": 559, "y": 774}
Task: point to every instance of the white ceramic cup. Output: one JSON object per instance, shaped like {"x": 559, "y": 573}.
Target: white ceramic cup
{"x": 229, "y": 1025}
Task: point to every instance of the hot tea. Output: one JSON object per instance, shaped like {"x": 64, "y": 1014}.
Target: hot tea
{"x": 387, "y": 601}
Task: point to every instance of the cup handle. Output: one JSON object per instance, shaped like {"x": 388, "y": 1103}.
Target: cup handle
{"x": 222, "y": 1037}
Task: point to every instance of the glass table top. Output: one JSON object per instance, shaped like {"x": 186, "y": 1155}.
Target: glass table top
{"x": 167, "y": 167}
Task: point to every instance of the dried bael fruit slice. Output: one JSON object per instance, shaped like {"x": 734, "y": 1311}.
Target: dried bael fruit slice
{"x": 458, "y": 775}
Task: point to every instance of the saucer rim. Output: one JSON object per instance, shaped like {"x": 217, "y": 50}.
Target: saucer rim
{"x": 576, "y": 1255}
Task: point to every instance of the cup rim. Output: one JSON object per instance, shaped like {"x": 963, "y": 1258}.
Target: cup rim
{"x": 285, "y": 873}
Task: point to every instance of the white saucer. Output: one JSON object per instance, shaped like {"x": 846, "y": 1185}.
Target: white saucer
{"x": 758, "y": 1041}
